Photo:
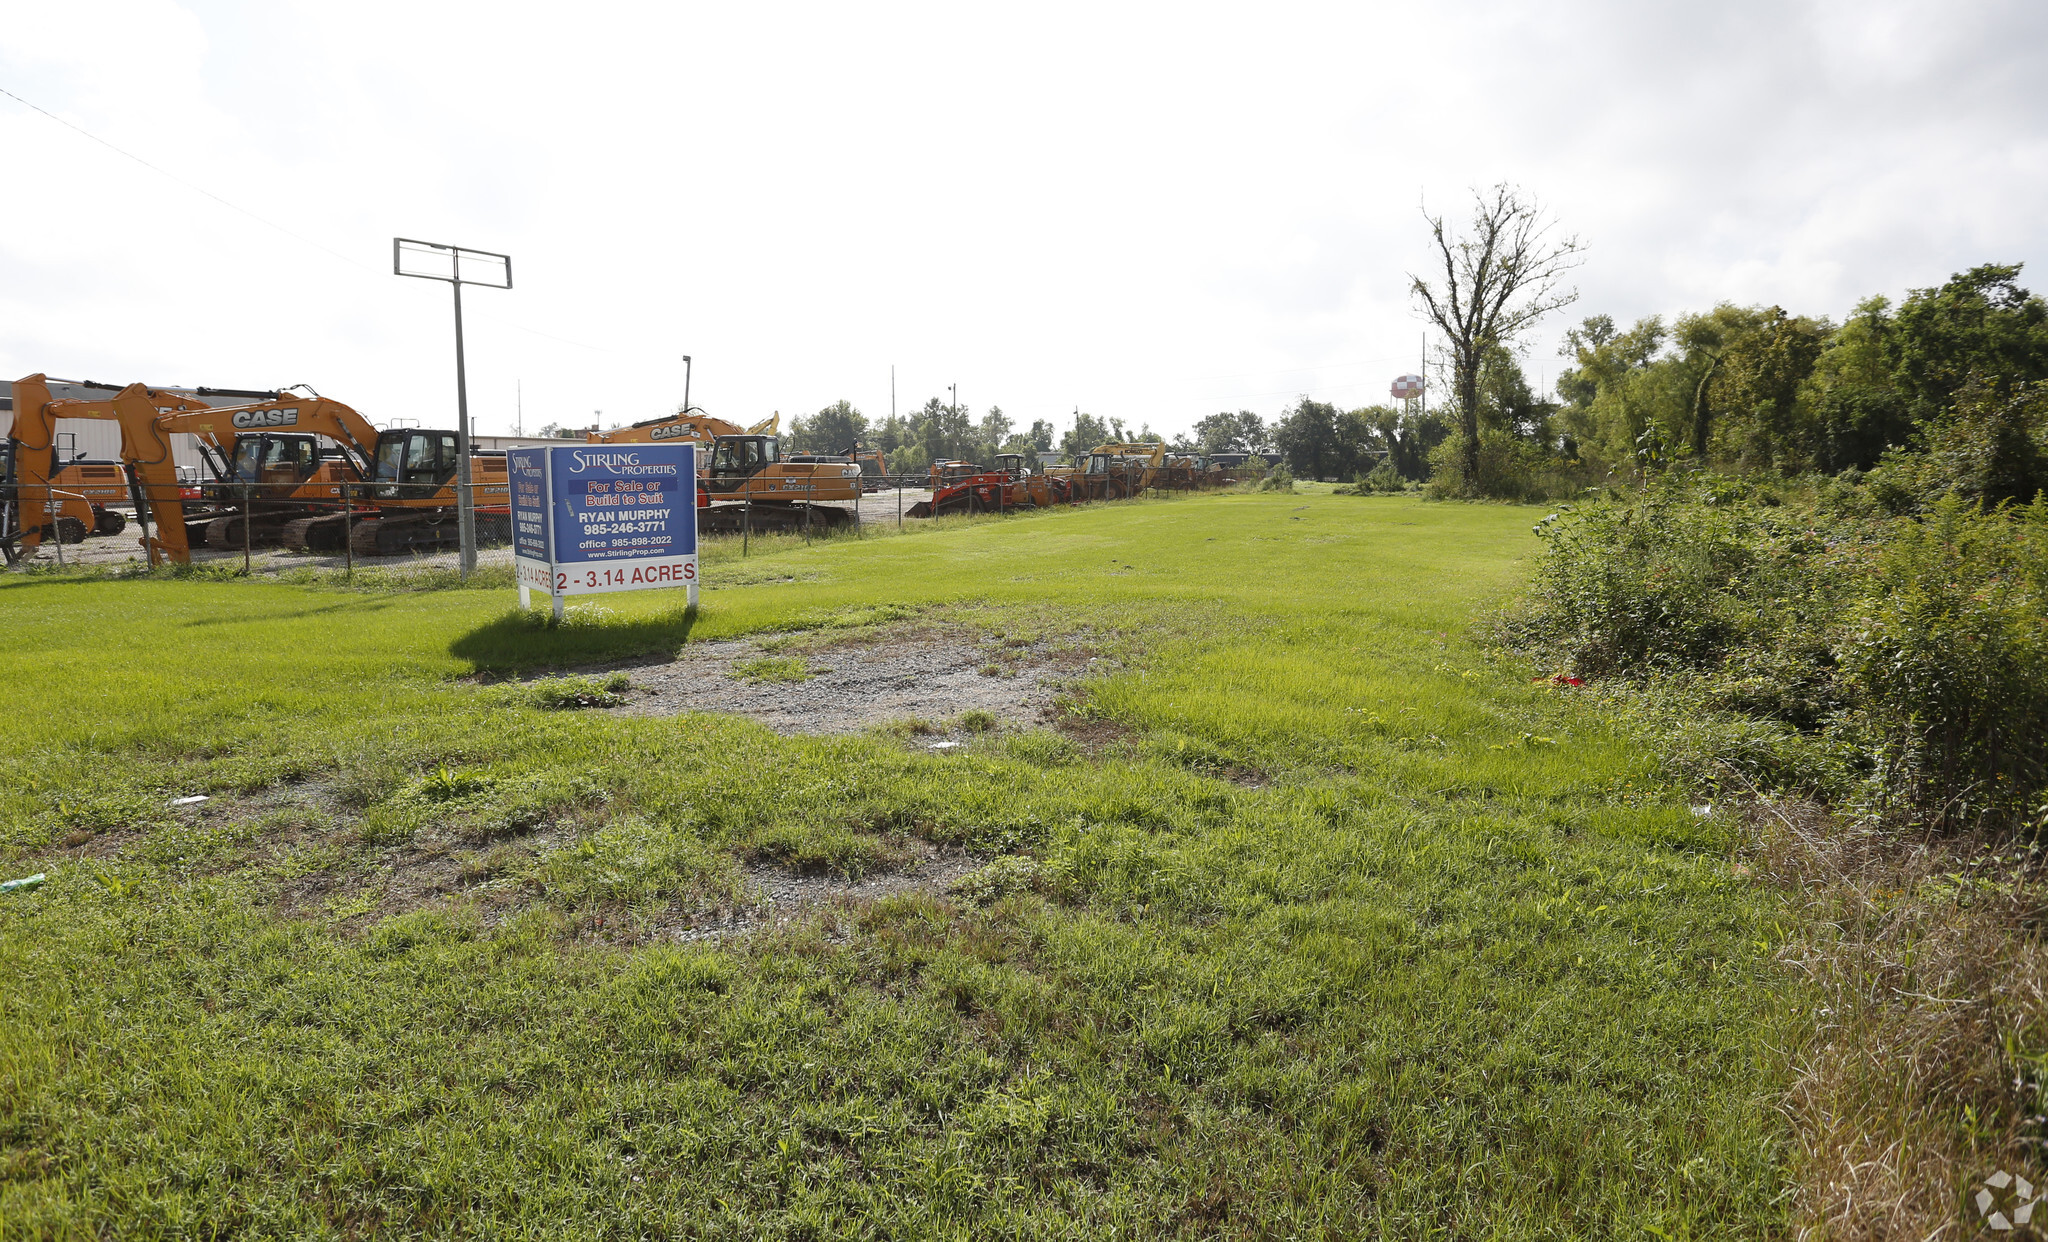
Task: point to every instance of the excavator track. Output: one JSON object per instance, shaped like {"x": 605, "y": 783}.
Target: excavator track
{"x": 770, "y": 517}
{"x": 399, "y": 534}
{"x": 321, "y": 532}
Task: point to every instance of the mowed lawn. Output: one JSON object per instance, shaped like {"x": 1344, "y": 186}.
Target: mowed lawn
{"x": 1320, "y": 923}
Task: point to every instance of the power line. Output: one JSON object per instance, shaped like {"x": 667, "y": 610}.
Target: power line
{"x": 180, "y": 180}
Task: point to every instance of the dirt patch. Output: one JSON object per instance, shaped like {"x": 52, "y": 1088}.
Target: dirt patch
{"x": 805, "y": 685}
{"x": 782, "y": 896}
{"x": 1093, "y": 736}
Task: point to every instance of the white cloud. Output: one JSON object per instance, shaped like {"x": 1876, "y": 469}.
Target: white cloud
{"x": 1149, "y": 211}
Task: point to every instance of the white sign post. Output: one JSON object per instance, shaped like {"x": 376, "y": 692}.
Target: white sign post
{"x": 601, "y": 517}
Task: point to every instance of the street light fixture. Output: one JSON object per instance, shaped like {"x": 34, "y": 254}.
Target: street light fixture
{"x": 435, "y": 261}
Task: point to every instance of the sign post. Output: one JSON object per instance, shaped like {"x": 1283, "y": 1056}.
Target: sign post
{"x": 596, "y": 517}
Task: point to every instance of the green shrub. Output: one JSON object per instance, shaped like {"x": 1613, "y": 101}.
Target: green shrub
{"x": 1278, "y": 479}
{"x": 1510, "y": 468}
{"x": 1949, "y": 653}
{"x": 1909, "y": 654}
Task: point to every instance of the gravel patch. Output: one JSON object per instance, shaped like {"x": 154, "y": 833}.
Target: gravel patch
{"x": 854, "y": 685}
{"x": 782, "y": 896}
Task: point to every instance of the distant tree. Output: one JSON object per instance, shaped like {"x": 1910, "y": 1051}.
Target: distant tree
{"x": 1041, "y": 436}
{"x": 1506, "y": 402}
{"x": 891, "y": 434}
{"x": 1405, "y": 439}
{"x": 1612, "y": 396}
{"x": 990, "y": 435}
{"x": 1087, "y": 432}
{"x": 1981, "y": 326}
{"x": 835, "y": 429}
{"x": 1497, "y": 281}
{"x": 1307, "y": 438}
{"x": 942, "y": 431}
{"x": 1762, "y": 374}
{"x": 1242, "y": 432}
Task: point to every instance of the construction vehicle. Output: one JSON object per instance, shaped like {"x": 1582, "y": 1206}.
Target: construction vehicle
{"x": 280, "y": 464}
{"x": 744, "y": 482}
{"x": 963, "y": 487}
{"x": 1149, "y": 457}
{"x": 1041, "y": 488}
{"x": 873, "y": 469}
{"x": 750, "y": 486}
{"x": 399, "y": 483}
{"x": 152, "y": 476}
{"x": 690, "y": 426}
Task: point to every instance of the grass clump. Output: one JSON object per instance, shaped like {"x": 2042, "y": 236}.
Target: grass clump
{"x": 784, "y": 669}
{"x": 572, "y": 693}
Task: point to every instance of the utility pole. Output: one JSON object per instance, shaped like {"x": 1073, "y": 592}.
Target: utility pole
{"x": 428, "y": 258}
{"x": 519, "y": 408}
{"x": 686, "y": 384}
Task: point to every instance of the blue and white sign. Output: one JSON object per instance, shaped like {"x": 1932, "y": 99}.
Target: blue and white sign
{"x": 603, "y": 517}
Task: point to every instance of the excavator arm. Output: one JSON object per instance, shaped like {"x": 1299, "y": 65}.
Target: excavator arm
{"x": 316, "y": 415}
{"x": 145, "y": 451}
{"x": 691, "y": 426}
{"x": 33, "y": 464}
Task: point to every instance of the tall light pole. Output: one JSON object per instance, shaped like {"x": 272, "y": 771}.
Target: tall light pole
{"x": 686, "y": 384}
{"x": 435, "y": 261}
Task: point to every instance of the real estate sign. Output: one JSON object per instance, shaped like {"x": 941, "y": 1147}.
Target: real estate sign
{"x": 603, "y": 517}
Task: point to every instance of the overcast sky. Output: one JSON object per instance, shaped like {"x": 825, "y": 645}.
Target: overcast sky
{"x": 1148, "y": 211}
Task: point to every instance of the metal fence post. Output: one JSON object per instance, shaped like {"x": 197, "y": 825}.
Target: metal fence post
{"x": 348, "y": 534}
{"x": 746, "y": 524}
{"x": 246, "y": 524}
{"x": 56, "y": 520}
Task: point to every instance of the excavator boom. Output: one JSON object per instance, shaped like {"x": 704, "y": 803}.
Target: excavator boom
{"x": 145, "y": 451}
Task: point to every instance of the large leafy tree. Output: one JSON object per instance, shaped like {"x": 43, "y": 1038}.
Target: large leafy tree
{"x": 835, "y": 429}
{"x": 1612, "y": 394}
{"x": 1404, "y": 438}
{"x": 1496, "y": 278}
{"x": 1981, "y": 326}
{"x": 1087, "y": 432}
{"x": 1225, "y": 432}
{"x": 1308, "y": 438}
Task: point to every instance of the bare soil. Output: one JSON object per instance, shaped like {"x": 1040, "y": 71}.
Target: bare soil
{"x": 783, "y": 896}
{"x": 924, "y": 677}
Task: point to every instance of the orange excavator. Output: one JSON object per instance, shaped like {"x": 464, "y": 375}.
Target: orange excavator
{"x": 399, "y": 483}
{"x": 275, "y": 472}
{"x": 145, "y": 454}
{"x": 744, "y": 481}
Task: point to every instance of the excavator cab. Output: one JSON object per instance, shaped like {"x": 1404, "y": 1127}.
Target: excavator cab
{"x": 411, "y": 463}
{"x": 743, "y": 457}
{"x": 270, "y": 459}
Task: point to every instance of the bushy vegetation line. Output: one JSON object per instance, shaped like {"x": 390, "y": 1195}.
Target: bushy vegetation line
{"x": 1895, "y": 666}
{"x": 1862, "y": 664}
{"x": 1313, "y": 923}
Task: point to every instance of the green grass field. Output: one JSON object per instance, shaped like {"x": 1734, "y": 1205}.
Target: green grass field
{"x": 1328, "y": 925}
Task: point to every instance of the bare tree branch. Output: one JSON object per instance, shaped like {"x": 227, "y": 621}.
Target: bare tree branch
{"x": 1498, "y": 280}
